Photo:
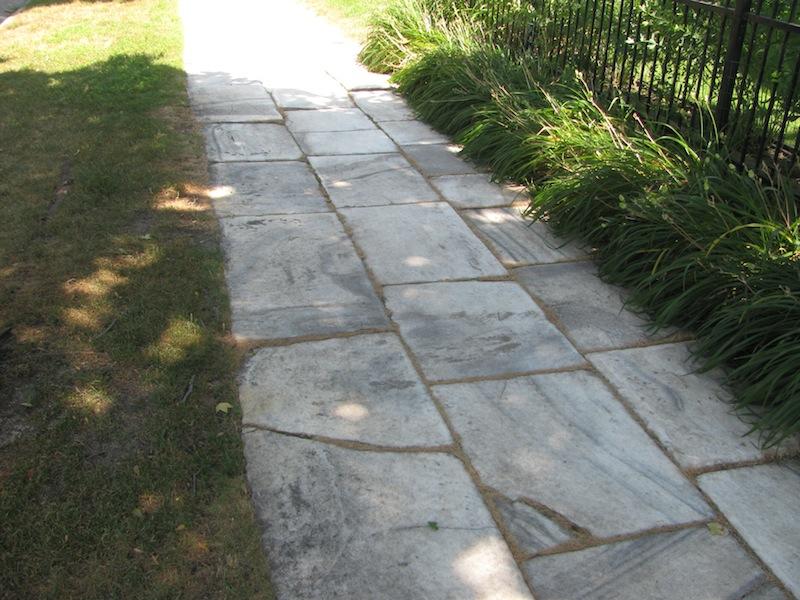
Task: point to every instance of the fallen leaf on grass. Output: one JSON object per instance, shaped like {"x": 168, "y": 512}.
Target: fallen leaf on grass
{"x": 224, "y": 407}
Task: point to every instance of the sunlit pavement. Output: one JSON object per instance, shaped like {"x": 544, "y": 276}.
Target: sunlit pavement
{"x": 442, "y": 401}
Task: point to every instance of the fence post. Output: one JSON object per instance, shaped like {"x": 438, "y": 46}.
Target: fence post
{"x": 732, "y": 57}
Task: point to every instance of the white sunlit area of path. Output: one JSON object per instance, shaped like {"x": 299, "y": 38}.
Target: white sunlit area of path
{"x": 440, "y": 400}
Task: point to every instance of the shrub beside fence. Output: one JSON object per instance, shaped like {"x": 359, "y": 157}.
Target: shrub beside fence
{"x": 674, "y": 59}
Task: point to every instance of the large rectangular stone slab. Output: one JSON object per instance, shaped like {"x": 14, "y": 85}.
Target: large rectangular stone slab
{"x": 691, "y": 564}
{"x": 245, "y": 142}
{"x": 316, "y": 143}
{"x": 690, "y": 413}
{"x": 371, "y": 180}
{"x": 564, "y": 441}
{"x": 361, "y": 388}
{"x": 328, "y": 119}
{"x": 592, "y": 312}
{"x": 365, "y": 525}
{"x": 519, "y": 242}
{"x": 383, "y": 106}
{"x": 761, "y": 502}
{"x": 439, "y": 159}
{"x": 413, "y": 132}
{"x": 299, "y": 275}
{"x": 241, "y": 103}
{"x": 252, "y": 189}
{"x": 477, "y": 328}
{"x": 419, "y": 242}
{"x": 475, "y": 191}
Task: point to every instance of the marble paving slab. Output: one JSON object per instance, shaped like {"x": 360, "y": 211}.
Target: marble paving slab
{"x": 690, "y": 413}
{"x": 691, "y": 564}
{"x": 412, "y": 132}
{"x": 296, "y": 275}
{"x": 563, "y": 440}
{"x": 383, "y": 105}
{"x": 419, "y": 242}
{"x": 361, "y": 388}
{"x": 762, "y": 503}
{"x": 319, "y": 143}
{"x": 233, "y": 104}
{"x": 591, "y": 311}
{"x": 439, "y": 159}
{"x": 477, "y": 328}
{"x": 328, "y": 119}
{"x": 476, "y": 191}
{"x": 371, "y": 180}
{"x": 518, "y": 241}
{"x": 356, "y": 525}
{"x": 246, "y": 142}
{"x": 355, "y": 77}
{"x": 252, "y": 189}
{"x": 531, "y": 530}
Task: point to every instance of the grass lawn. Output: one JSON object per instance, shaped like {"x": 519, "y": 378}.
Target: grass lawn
{"x": 352, "y": 16}
{"x": 121, "y": 473}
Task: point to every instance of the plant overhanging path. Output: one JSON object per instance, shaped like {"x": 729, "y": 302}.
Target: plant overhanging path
{"x": 441, "y": 401}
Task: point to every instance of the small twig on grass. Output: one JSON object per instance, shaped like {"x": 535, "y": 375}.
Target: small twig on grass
{"x": 189, "y": 390}
{"x": 107, "y": 329}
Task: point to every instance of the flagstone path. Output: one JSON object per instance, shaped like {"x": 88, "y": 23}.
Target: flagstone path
{"x": 442, "y": 401}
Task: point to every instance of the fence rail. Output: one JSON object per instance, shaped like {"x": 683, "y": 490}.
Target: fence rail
{"x": 673, "y": 59}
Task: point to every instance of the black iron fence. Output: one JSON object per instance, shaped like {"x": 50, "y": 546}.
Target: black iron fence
{"x": 675, "y": 60}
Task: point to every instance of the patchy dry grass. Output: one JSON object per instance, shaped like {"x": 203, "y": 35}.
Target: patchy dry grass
{"x": 118, "y": 477}
{"x": 352, "y": 16}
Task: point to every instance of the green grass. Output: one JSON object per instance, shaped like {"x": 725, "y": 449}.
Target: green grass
{"x": 353, "y": 16}
{"x": 118, "y": 477}
{"x": 701, "y": 245}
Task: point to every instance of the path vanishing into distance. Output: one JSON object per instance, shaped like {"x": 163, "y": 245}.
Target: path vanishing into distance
{"x": 441, "y": 401}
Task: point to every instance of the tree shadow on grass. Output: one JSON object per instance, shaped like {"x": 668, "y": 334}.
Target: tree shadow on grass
{"x": 122, "y": 479}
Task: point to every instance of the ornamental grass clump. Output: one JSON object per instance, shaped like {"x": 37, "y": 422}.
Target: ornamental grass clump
{"x": 701, "y": 245}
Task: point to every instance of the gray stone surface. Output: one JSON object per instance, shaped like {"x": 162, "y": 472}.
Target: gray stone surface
{"x": 690, "y": 413}
{"x": 345, "y": 142}
{"x": 307, "y": 91}
{"x": 355, "y": 77}
{"x": 9, "y": 7}
{"x": 383, "y": 106}
{"x": 474, "y": 328}
{"x": 412, "y": 132}
{"x": 244, "y": 142}
{"x": 532, "y": 531}
{"x": 767, "y": 591}
{"x": 591, "y": 311}
{"x": 439, "y": 159}
{"x": 361, "y": 388}
{"x": 247, "y": 189}
{"x": 761, "y": 503}
{"x": 688, "y": 565}
{"x": 371, "y": 180}
{"x": 328, "y": 119}
{"x": 296, "y": 275}
{"x": 476, "y": 191}
{"x": 563, "y": 440}
{"x": 419, "y": 242}
{"x": 240, "y": 103}
{"x": 364, "y": 525}
{"x": 520, "y": 242}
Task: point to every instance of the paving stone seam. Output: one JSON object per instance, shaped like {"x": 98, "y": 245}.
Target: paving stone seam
{"x": 352, "y": 444}
{"x": 592, "y": 541}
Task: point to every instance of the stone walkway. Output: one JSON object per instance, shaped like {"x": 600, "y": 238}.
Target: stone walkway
{"x": 440, "y": 400}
